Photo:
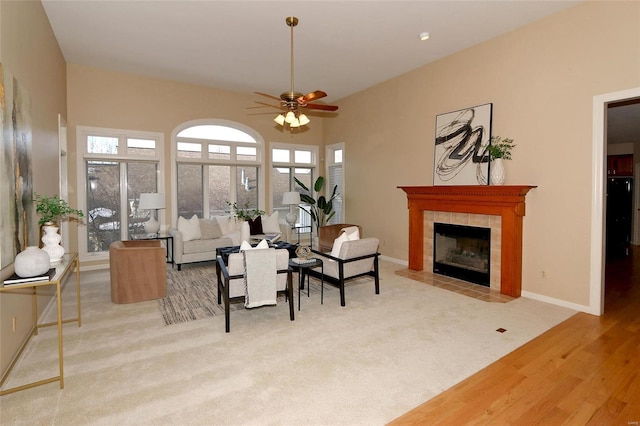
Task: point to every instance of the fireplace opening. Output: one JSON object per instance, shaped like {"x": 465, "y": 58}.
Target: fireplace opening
{"x": 462, "y": 252}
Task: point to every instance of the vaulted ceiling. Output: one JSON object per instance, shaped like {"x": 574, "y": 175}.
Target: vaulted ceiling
{"x": 341, "y": 47}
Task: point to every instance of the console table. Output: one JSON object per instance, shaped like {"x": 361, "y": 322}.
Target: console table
{"x": 63, "y": 269}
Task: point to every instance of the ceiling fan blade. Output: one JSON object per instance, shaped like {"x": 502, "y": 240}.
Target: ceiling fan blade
{"x": 322, "y": 107}
{"x": 263, "y": 105}
{"x": 268, "y": 96}
{"x": 318, "y": 94}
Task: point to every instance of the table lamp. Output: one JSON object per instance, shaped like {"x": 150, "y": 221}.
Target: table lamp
{"x": 291, "y": 199}
{"x": 151, "y": 201}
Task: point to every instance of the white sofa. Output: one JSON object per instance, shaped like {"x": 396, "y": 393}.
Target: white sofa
{"x": 196, "y": 239}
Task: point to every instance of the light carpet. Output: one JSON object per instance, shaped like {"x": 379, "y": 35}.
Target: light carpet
{"x": 363, "y": 364}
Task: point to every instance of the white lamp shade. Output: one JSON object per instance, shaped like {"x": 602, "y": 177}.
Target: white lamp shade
{"x": 151, "y": 201}
{"x": 303, "y": 119}
{"x": 290, "y": 117}
{"x": 291, "y": 198}
{"x": 279, "y": 119}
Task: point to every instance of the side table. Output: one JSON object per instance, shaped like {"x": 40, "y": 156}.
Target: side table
{"x": 303, "y": 267}
{"x": 168, "y": 242}
{"x": 69, "y": 260}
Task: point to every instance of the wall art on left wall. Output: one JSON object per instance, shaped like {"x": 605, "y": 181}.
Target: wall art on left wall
{"x": 462, "y": 138}
{"x": 17, "y": 210}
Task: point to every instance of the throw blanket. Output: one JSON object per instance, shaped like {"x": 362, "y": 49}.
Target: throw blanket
{"x": 260, "y": 275}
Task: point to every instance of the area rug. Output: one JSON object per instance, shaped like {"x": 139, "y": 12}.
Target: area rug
{"x": 192, "y": 294}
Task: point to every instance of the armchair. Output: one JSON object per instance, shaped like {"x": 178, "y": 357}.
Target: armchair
{"x": 357, "y": 258}
{"x": 231, "y": 280}
{"x": 138, "y": 271}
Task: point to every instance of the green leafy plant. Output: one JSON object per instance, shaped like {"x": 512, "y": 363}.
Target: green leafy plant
{"x": 54, "y": 209}
{"x": 321, "y": 209}
{"x": 245, "y": 212}
{"x": 500, "y": 148}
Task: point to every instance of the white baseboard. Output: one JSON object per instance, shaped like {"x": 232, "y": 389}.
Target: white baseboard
{"x": 394, "y": 260}
{"x": 559, "y": 302}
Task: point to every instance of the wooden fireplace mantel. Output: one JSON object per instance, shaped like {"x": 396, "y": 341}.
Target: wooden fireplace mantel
{"x": 506, "y": 201}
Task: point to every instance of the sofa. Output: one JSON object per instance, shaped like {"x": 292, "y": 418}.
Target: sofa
{"x": 196, "y": 239}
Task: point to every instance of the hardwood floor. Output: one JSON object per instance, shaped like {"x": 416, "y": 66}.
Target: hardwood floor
{"x": 585, "y": 371}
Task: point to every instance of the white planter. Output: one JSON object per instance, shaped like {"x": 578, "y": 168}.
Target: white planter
{"x": 51, "y": 240}
{"x": 498, "y": 174}
{"x": 31, "y": 262}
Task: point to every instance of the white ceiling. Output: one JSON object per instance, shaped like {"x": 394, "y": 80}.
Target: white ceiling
{"x": 341, "y": 47}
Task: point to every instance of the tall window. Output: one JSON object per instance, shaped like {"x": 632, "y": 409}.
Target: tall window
{"x": 289, "y": 162}
{"x": 117, "y": 166}
{"x": 335, "y": 176}
{"x": 216, "y": 163}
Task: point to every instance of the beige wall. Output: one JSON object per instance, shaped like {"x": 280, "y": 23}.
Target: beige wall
{"x": 541, "y": 80}
{"x": 30, "y": 52}
{"x": 102, "y": 98}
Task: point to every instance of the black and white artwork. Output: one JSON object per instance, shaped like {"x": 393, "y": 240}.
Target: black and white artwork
{"x": 462, "y": 137}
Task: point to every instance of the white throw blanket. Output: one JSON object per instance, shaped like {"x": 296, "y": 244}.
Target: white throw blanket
{"x": 260, "y": 275}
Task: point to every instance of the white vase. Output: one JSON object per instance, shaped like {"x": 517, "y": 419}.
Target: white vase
{"x": 31, "y": 262}
{"x": 51, "y": 240}
{"x": 498, "y": 174}
{"x": 245, "y": 231}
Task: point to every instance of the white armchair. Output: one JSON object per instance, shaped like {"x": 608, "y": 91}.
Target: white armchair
{"x": 357, "y": 258}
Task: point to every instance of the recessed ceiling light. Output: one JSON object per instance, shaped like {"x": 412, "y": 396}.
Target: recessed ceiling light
{"x": 423, "y": 36}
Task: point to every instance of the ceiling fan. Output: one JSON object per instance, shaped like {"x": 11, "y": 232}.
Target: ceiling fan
{"x": 293, "y": 102}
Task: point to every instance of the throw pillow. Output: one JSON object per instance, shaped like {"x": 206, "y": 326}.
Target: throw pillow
{"x": 209, "y": 229}
{"x": 255, "y": 226}
{"x": 271, "y": 224}
{"x": 353, "y": 233}
{"x": 337, "y": 244}
{"x": 228, "y": 224}
{"x": 190, "y": 229}
{"x": 264, "y": 244}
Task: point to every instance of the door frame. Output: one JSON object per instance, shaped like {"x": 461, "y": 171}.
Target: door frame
{"x": 598, "y": 211}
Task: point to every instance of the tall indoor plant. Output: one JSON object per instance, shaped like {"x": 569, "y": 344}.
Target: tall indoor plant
{"x": 321, "y": 210}
{"x": 499, "y": 149}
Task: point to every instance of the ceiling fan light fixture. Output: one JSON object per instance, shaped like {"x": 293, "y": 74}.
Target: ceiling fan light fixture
{"x": 295, "y": 123}
{"x": 304, "y": 120}
{"x": 279, "y": 119}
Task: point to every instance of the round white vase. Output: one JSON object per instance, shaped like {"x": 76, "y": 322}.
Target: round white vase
{"x": 51, "y": 240}
{"x": 31, "y": 262}
{"x": 498, "y": 174}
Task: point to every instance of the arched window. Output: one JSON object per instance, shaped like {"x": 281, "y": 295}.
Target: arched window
{"x": 217, "y": 162}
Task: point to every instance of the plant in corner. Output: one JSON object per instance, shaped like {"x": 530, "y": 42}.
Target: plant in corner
{"x": 321, "y": 210}
{"x": 54, "y": 209}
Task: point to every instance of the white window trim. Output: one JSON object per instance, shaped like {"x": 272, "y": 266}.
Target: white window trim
{"x": 329, "y": 150}
{"x": 81, "y": 143}
{"x": 174, "y": 160}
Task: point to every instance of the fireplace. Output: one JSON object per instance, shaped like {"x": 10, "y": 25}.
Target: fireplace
{"x": 507, "y": 202}
{"x": 462, "y": 252}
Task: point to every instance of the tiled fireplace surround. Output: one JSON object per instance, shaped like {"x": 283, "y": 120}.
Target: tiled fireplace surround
{"x": 468, "y": 219}
{"x": 500, "y": 208}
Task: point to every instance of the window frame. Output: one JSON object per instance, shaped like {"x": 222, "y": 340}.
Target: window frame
{"x": 233, "y": 162}
{"x": 123, "y": 158}
{"x": 329, "y": 163}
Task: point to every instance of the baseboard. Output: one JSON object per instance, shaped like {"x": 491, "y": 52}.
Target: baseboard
{"x": 394, "y": 260}
{"x": 558, "y": 302}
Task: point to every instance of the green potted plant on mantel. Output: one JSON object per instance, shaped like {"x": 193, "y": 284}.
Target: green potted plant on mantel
{"x": 499, "y": 149}
{"x": 321, "y": 209}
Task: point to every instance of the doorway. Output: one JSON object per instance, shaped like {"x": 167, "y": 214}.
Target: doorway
{"x": 598, "y": 224}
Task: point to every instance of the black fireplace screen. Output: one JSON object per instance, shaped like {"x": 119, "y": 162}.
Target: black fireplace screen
{"x": 462, "y": 252}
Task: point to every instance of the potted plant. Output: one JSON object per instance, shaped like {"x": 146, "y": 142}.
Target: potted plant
{"x": 52, "y": 210}
{"x": 321, "y": 210}
{"x": 245, "y": 212}
{"x": 499, "y": 149}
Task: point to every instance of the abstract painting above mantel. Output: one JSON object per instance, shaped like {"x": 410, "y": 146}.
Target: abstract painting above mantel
{"x": 460, "y": 146}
